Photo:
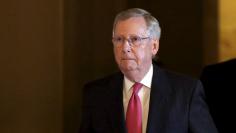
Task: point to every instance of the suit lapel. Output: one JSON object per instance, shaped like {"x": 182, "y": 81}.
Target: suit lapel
{"x": 116, "y": 109}
{"x": 160, "y": 91}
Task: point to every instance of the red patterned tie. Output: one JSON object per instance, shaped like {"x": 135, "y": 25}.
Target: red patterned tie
{"x": 134, "y": 111}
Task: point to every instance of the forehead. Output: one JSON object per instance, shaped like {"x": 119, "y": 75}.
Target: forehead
{"x": 133, "y": 25}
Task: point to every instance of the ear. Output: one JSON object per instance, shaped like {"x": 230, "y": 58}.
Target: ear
{"x": 155, "y": 46}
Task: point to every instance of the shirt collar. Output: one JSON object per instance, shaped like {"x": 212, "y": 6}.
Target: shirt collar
{"x": 146, "y": 81}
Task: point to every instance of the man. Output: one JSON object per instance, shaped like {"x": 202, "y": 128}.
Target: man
{"x": 143, "y": 98}
{"x": 219, "y": 83}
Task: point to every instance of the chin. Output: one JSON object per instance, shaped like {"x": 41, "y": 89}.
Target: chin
{"x": 128, "y": 68}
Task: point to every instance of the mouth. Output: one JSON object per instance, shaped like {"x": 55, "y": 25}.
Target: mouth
{"x": 127, "y": 59}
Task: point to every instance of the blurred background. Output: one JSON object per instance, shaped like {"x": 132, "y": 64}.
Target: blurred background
{"x": 50, "y": 48}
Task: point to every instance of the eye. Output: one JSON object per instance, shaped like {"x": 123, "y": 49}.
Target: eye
{"x": 118, "y": 39}
{"x": 135, "y": 39}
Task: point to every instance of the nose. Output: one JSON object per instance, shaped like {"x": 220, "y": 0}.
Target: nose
{"x": 126, "y": 46}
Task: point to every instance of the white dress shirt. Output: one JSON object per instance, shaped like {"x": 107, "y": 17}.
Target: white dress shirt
{"x": 144, "y": 95}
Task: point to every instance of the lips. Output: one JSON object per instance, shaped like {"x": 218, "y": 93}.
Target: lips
{"x": 127, "y": 59}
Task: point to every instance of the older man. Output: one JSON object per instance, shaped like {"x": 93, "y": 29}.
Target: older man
{"x": 143, "y": 98}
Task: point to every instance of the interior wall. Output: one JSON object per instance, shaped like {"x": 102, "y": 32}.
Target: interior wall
{"x": 181, "y": 44}
{"x": 31, "y": 66}
{"x": 227, "y": 30}
{"x": 210, "y": 32}
{"x": 219, "y": 31}
{"x": 88, "y": 50}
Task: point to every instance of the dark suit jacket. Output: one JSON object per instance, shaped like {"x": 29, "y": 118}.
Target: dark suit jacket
{"x": 177, "y": 105}
{"x": 220, "y": 83}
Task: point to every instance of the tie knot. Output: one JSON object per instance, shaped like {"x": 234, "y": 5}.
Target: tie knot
{"x": 136, "y": 87}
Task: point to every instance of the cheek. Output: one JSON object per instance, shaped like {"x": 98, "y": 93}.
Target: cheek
{"x": 143, "y": 55}
{"x": 139, "y": 56}
{"x": 116, "y": 54}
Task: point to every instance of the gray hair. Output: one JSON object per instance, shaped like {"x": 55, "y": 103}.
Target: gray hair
{"x": 152, "y": 24}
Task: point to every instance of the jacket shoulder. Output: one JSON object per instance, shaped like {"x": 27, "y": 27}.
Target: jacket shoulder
{"x": 102, "y": 82}
{"x": 179, "y": 77}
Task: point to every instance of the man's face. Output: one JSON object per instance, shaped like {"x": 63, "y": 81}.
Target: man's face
{"x": 134, "y": 59}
